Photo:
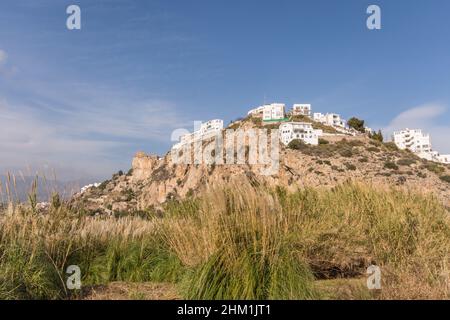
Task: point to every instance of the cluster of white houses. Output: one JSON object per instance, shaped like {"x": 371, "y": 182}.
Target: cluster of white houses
{"x": 413, "y": 140}
{"x": 273, "y": 113}
{"x": 206, "y": 130}
{"x": 419, "y": 143}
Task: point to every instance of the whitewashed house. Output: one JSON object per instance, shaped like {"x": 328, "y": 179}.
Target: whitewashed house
{"x": 206, "y": 130}
{"x": 413, "y": 140}
{"x": 329, "y": 119}
{"x": 273, "y": 112}
{"x": 443, "y": 158}
{"x": 89, "y": 186}
{"x": 256, "y": 112}
{"x": 419, "y": 143}
{"x": 211, "y": 126}
{"x": 299, "y": 130}
{"x": 301, "y": 109}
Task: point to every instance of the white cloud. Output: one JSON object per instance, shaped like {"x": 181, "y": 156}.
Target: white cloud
{"x": 424, "y": 117}
{"x": 81, "y": 142}
{"x": 3, "y": 56}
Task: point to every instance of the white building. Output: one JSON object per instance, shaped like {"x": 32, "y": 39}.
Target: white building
{"x": 419, "y": 143}
{"x": 443, "y": 158}
{"x": 273, "y": 112}
{"x": 330, "y": 119}
{"x": 212, "y": 126}
{"x": 413, "y": 140}
{"x": 206, "y": 130}
{"x": 299, "y": 130}
{"x": 256, "y": 112}
{"x": 301, "y": 109}
{"x": 89, "y": 186}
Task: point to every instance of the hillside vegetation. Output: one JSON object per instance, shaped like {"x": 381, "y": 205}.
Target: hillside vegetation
{"x": 238, "y": 241}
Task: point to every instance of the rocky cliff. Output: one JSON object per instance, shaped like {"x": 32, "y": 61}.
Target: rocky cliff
{"x": 154, "y": 180}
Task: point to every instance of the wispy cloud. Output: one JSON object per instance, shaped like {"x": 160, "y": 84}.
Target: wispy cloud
{"x": 89, "y": 140}
{"x": 425, "y": 117}
{"x": 3, "y": 57}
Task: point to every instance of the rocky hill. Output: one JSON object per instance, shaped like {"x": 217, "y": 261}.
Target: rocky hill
{"x": 153, "y": 181}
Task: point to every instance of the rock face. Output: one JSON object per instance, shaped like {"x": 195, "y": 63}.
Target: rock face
{"x": 154, "y": 180}
{"x": 143, "y": 165}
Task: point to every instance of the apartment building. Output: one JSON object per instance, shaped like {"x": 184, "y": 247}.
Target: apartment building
{"x": 299, "y": 130}
{"x": 256, "y": 112}
{"x": 206, "y": 130}
{"x": 414, "y": 140}
{"x": 301, "y": 109}
{"x": 329, "y": 119}
{"x": 419, "y": 143}
{"x": 443, "y": 158}
{"x": 273, "y": 112}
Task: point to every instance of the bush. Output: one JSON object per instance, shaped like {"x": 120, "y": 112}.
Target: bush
{"x": 445, "y": 178}
{"x": 350, "y": 166}
{"x": 346, "y": 153}
{"x": 373, "y": 149}
{"x": 391, "y": 146}
{"x": 378, "y": 136}
{"x": 390, "y": 165}
{"x": 406, "y": 162}
{"x": 297, "y": 144}
{"x": 323, "y": 141}
{"x": 356, "y": 124}
{"x": 434, "y": 167}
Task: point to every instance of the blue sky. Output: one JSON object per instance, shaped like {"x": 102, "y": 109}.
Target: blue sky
{"x": 83, "y": 102}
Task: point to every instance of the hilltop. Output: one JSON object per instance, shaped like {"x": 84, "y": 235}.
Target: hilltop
{"x": 169, "y": 231}
{"x": 153, "y": 181}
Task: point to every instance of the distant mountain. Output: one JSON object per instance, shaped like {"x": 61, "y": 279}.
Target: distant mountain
{"x": 19, "y": 187}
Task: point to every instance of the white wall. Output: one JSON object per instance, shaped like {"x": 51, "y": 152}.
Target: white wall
{"x": 299, "y": 130}
{"x": 301, "y": 109}
{"x": 274, "y": 111}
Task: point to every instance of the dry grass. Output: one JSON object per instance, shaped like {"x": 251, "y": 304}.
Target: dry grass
{"x": 131, "y": 291}
{"x": 236, "y": 242}
{"x": 337, "y": 233}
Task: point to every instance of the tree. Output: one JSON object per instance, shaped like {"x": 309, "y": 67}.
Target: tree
{"x": 356, "y": 124}
{"x": 377, "y": 136}
{"x": 297, "y": 144}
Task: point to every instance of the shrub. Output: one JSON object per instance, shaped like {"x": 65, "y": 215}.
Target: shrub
{"x": 445, "y": 178}
{"x": 390, "y": 165}
{"x": 434, "y": 167}
{"x": 420, "y": 174}
{"x": 406, "y": 162}
{"x": 103, "y": 185}
{"x": 356, "y": 124}
{"x": 363, "y": 159}
{"x": 297, "y": 144}
{"x": 378, "y": 136}
{"x": 346, "y": 153}
{"x": 350, "y": 166}
{"x": 373, "y": 149}
{"x": 391, "y": 146}
{"x": 323, "y": 141}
